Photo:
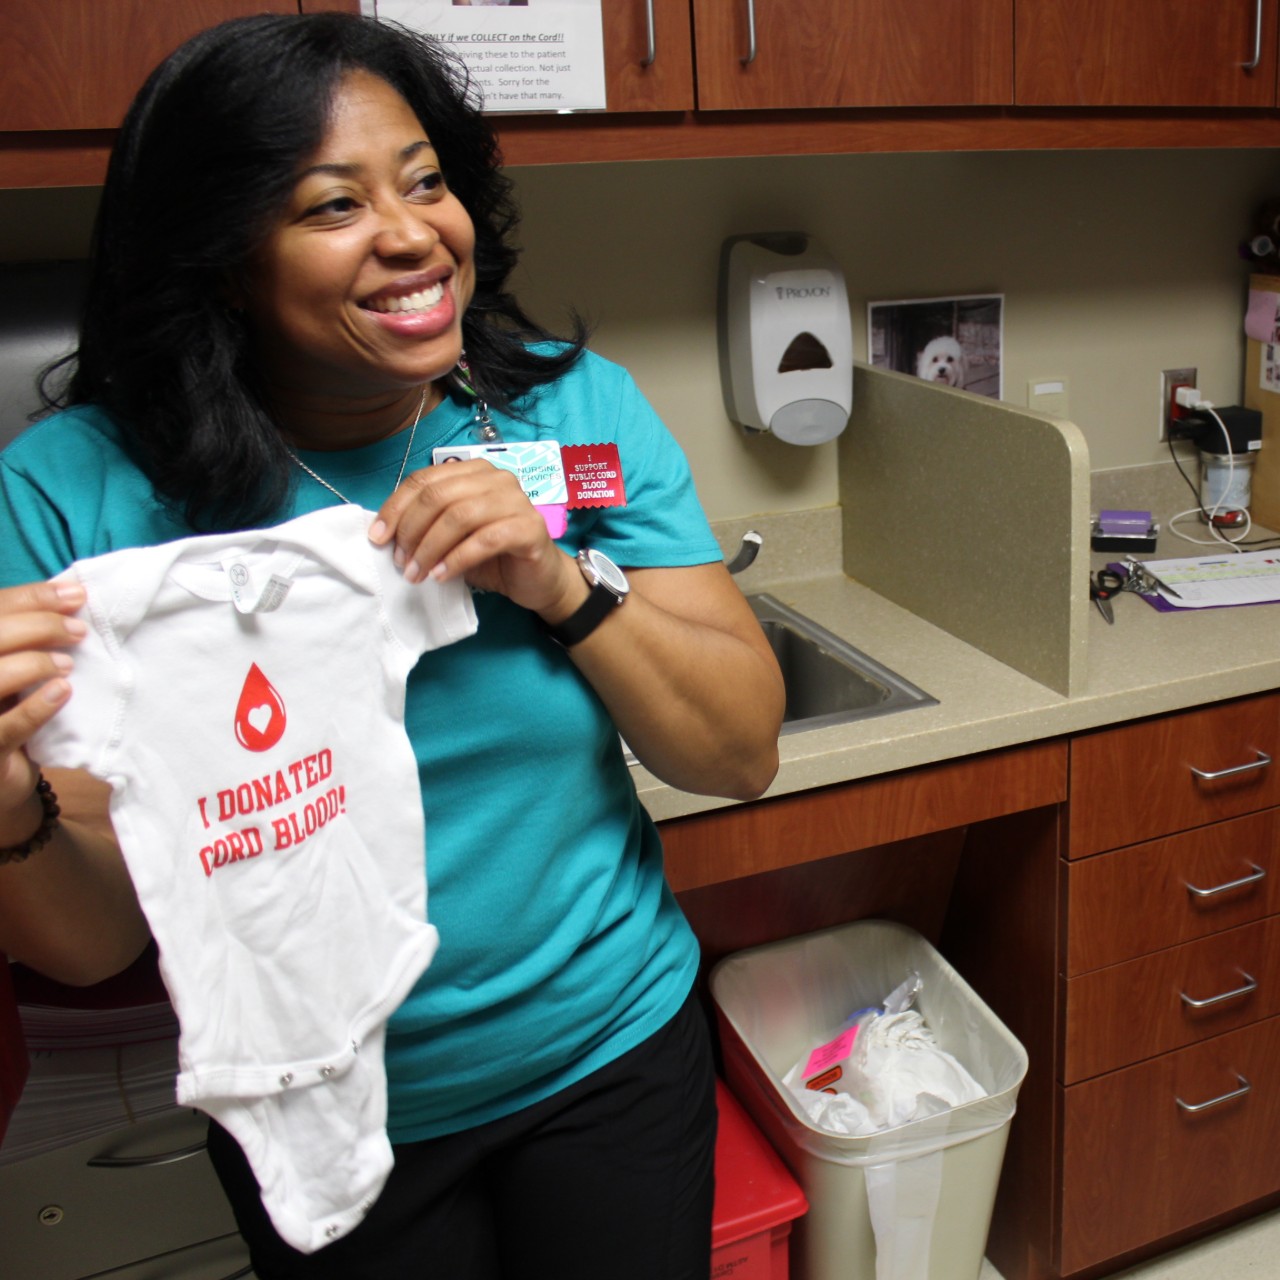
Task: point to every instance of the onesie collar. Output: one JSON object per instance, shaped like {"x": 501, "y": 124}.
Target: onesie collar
{"x": 206, "y": 566}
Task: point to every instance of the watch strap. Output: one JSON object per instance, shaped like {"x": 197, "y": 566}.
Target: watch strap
{"x": 598, "y": 605}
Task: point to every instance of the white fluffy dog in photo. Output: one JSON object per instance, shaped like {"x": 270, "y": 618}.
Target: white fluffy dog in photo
{"x": 942, "y": 360}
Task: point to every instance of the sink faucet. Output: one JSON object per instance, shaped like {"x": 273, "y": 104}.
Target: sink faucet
{"x": 747, "y": 551}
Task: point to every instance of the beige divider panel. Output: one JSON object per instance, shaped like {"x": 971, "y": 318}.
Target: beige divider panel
{"x": 974, "y": 515}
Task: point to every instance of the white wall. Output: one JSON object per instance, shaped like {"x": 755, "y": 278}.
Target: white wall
{"x": 1114, "y": 265}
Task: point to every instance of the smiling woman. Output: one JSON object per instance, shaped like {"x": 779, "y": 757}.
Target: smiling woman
{"x": 298, "y": 300}
{"x": 365, "y": 279}
{"x": 228, "y": 176}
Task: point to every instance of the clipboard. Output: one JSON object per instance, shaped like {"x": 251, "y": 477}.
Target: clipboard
{"x": 1215, "y": 581}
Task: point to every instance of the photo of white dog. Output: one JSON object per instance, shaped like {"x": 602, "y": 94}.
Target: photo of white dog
{"x": 942, "y": 360}
{"x": 951, "y": 342}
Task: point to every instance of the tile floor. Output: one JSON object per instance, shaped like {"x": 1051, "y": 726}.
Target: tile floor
{"x": 1249, "y": 1251}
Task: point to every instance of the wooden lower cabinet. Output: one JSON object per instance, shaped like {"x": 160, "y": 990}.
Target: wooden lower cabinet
{"x": 1143, "y": 978}
{"x": 1172, "y": 773}
{"x": 1160, "y": 893}
{"x": 1172, "y": 998}
{"x": 1139, "y": 1165}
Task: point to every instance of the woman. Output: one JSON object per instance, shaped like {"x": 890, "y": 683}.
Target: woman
{"x": 302, "y": 229}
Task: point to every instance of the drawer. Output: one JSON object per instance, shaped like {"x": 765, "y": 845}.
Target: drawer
{"x": 226, "y": 1258}
{"x": 1132, "y": 1011}
{"x": 1138, "y": 1166}
{"x": 62, "y": 1217}
{"x": 1154, "y": 895}
{"x": 1140, "y": 780}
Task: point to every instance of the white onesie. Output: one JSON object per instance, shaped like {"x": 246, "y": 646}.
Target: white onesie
{"x": 243, "y": 694}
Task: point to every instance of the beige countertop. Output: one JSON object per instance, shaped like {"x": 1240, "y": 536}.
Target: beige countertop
{"x": 1147, "y": 663}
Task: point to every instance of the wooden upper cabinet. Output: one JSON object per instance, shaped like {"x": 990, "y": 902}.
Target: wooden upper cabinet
{"x": 853, "y": 53}
{"x": 648, "y": 55}
{"x": 1133, "y": 53}
{"x": 700, "y": 78}
{"x": 76, "y": 64}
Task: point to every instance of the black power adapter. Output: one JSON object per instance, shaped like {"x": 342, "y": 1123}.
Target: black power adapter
{"x": 1230, "y": 429}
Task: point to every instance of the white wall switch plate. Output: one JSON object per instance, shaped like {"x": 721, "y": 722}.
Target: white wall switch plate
{"x": 1048, "y": 395}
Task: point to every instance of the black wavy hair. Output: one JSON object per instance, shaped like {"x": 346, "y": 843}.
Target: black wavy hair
{"x": 205, "y": 161}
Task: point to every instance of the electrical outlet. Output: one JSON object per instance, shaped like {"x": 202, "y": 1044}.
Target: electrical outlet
{"x": 1170, "y": 411}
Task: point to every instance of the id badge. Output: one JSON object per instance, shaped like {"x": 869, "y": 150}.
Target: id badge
{"x": 535, "y": 463}
{"x": 556, "y": 480}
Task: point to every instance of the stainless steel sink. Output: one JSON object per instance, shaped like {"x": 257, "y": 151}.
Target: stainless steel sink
{"x": 829, "y": 681}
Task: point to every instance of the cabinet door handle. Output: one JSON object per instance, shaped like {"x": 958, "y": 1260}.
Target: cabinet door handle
{"x": 1257, "y": 39}
{"x": 145, "y": 1162}
{"x": 647, "y": 61}
{"x": 1258, "y": 874}
{"x": 1250, "y": 985}
{"x": 1245, "y": 1086}
{"x": 1260, "y": 763}
{"x": 751, "y": 33}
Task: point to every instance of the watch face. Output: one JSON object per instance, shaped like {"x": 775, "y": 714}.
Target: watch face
{"x": 608, "y": 572}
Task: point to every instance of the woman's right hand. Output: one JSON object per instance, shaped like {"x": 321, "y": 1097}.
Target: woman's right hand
{"x": 37, "y": 620}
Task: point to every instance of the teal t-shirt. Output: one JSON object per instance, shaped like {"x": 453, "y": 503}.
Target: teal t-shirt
{"x": 561, "y": 946}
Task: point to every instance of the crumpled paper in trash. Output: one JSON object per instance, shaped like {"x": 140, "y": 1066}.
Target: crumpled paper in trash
{"x": 893, "y": 1072}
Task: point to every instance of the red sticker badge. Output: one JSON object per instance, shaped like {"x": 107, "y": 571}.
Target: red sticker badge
{"x": 593, "y": 475}
{"x": 260, "y": 717}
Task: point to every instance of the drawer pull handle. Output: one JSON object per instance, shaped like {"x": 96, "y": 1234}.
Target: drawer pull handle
{"x": 1193, "y": 1107}
{"x": 1260, "y": 763}
{"x": 1258, "y": 874}
{"x": 648, "y": 59}
{"x": 1257, "y": 39}
{"x": 1250, "y": 985}
{"x": 145, "y": 1162}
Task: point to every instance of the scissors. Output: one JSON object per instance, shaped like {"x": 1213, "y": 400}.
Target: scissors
{"x": 1102, "y": 586}
{"x": 1141, "y": 579}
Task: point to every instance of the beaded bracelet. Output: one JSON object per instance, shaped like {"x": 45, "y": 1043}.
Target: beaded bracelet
{"x": 44, "y": 832}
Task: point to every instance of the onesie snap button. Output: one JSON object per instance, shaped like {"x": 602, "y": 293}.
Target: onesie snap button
{"x": 286, "y": 1080}
{"x": 331, "y": 1230}
{"x": 326, "y": 1072}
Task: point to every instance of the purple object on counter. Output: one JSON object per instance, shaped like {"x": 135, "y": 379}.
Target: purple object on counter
{"x": 1122, "y": 522}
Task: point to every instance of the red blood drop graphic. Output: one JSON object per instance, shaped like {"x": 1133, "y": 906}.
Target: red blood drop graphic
{"x": 260, "y": 717}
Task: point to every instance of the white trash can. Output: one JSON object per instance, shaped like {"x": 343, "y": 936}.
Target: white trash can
{"x": 909, "y": 1203}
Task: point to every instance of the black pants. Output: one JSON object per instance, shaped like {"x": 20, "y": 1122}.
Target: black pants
{"x": 614, "y": 1177}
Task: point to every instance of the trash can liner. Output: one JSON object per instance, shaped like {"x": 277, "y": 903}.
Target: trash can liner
{"x": 902, "y": 1198}
{"x": 929, "y": 1184}
{"x": 906, "y": 1142}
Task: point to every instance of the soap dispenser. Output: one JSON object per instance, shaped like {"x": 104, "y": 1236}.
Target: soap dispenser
{"x": 785, "y": 337}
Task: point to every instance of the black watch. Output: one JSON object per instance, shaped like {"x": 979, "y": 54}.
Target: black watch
{"x": 609, "y": 587}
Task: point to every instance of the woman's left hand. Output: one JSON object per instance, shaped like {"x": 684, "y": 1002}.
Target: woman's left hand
{"x": 472, "y": 520}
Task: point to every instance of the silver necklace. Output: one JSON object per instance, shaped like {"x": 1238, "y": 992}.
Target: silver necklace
{"x": 404, "y": 462}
